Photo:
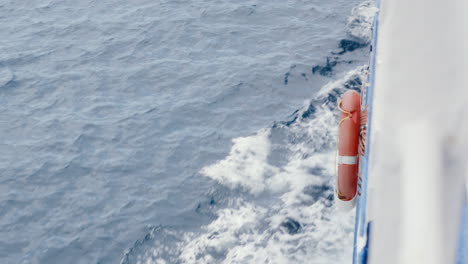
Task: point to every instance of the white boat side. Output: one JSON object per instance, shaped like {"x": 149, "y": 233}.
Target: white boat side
{"x": 416, "y": 171}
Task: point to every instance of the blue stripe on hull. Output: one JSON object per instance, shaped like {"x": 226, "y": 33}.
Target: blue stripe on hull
{"x": 362, "y": 226}
{"x": 462, "y": 253}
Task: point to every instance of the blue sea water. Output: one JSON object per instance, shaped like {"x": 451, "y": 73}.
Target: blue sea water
{"x": 174, "y": 131}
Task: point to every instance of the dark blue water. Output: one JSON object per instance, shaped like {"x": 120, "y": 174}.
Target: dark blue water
{"x": 173, "y": 131}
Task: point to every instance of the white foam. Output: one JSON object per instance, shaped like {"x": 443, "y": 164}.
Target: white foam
{"x": 246, "y": 165}
{"x": 298, "y": 223}
{"x": 248, "y": 232}
{"x": 360, "y": 21}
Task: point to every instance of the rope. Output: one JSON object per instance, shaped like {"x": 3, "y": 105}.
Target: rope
{"x": 362, "y": 130}
{"x": 362, "y": 133}
{"x": 349, "y": 114}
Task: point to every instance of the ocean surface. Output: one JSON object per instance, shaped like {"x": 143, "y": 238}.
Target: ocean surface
{"x": 175, "y": 131}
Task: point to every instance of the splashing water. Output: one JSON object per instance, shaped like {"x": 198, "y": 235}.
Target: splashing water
{"x": 274, "y": 198}
{"x": 300, "y": 223}
{"x": 286, "y": 214}
{"x": 360, "y": 22}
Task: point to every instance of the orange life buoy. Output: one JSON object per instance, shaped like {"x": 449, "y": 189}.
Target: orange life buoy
{"x": 348, "y": 142}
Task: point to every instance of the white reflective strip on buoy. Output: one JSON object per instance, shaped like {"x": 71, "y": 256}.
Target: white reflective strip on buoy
{"x": 347, "y": 160}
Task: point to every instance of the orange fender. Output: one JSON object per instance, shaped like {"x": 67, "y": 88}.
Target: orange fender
{"x": 348, "y": 142}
